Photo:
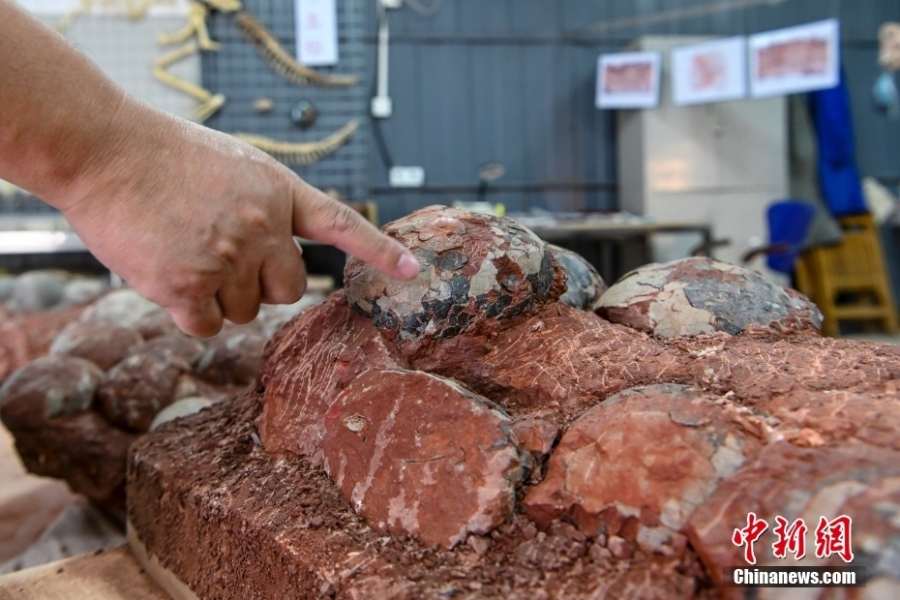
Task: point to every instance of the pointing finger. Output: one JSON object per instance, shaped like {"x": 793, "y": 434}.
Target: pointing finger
{"x": 324, "y": 219}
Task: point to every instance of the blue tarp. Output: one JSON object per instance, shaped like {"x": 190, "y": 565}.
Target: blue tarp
{"x": 838, "y": 174}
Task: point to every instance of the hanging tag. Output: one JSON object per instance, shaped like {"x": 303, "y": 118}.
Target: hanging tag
{"x": 317, "y": 41}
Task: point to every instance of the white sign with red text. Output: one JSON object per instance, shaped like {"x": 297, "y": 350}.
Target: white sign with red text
{"x": 831, "y": 537}
{"x": 317, "y": 34}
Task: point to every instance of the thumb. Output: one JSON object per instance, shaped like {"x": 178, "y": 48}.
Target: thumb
{"x": 317, "y": 216}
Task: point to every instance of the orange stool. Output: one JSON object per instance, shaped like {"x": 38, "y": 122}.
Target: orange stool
{"x": 848, "y": 281}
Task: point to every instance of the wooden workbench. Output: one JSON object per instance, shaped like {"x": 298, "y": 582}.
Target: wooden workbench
{"x": 105, "y": 575}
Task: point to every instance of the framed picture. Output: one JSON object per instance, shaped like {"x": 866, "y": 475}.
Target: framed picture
{"x": 628, "y": 80}
{"x": 796, "y": 59}
{"x": 713, "y": 71}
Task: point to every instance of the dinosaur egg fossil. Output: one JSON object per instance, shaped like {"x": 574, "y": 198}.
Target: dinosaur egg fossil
{"x": 474, "y": 268}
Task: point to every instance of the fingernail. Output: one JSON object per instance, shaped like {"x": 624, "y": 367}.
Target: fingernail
{"x": 407, "y": 266}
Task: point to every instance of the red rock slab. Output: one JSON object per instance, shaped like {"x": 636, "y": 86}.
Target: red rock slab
{"x": 851, "y": 478}
{"x": 305, "y": 367}
{"x": 813, "y": 419}
{"x": 561, "y": 361}
{"x": 757, "y": 365}
{"x": 235, "y": 522}
{"x": 417, "y": 454}
{"x": 639, "y": 464}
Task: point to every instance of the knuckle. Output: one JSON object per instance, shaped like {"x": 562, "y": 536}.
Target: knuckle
{"x": 228, "y": 251}
{"x": 344, "y": 221}
{"x": 255, "y": 218}
{"x": 189, "y": 285}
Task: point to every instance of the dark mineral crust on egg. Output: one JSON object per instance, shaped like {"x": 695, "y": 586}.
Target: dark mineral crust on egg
{"x": 476, "y": 270}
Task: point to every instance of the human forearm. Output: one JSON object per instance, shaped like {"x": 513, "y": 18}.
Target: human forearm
{"x": 56, "y": 110}
{"x": 194, "y": 219}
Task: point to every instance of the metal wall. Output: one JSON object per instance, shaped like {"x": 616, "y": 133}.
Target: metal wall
{"x": 243, "y": 76}
{"x": 513, "y": 81}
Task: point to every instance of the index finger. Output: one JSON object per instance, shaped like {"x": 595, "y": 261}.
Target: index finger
{"x": 319, "y": 217}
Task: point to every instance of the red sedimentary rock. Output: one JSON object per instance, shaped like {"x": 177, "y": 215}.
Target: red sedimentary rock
{"x": 338, "y": 345}
{"x": 399, "y": 445}
{"x": 631, "y": 451}
{"x": 24, "y": 337}
{"x": 597, "y": 480}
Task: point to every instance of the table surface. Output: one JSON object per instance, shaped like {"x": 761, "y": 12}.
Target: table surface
{"x": 108, "y": 575}
{"x": 50, "y": 241}
{"x": 611, "y": 228}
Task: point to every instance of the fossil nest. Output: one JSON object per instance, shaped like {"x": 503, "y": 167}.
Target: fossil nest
{"x": 471, "y": 426}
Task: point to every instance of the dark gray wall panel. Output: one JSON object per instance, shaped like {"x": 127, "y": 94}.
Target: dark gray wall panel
{"x": 512, "y": 81}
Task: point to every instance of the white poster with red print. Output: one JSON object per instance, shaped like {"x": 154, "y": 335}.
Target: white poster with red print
{"x": 317, "y": 34}
{"x": 713, "y": 71}
{"x": 628, "y": 80}
{"x": 796, "y": 59}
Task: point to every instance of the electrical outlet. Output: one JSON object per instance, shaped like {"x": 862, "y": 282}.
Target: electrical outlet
{"x": 407, "y": 177}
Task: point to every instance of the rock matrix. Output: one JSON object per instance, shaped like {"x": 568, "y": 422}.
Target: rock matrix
{"x": 396, "y": 448}
{"x": 103, "y": 374}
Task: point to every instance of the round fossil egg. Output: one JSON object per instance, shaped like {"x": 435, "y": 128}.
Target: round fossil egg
{"x": 472, "y": 267}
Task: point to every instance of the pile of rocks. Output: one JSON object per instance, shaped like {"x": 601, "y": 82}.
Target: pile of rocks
{"x": 116, "y": 370}
{"x": 42, "y": 290}
{"x": 467, "y": 434}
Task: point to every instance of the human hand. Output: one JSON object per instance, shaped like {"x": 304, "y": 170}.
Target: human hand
{"x": 203, "y": 224}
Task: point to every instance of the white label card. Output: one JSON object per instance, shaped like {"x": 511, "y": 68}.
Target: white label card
{"x": 317, "y": 35}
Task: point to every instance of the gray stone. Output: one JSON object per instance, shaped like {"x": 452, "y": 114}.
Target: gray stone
{"x": 123, "y": 307}
{"x": 37, "y": 290}
{"x": 179, "y": 409}
{"x": 6, "y": 287}
{"x": 48, "y": 387}
{"x": 81, "y": 291}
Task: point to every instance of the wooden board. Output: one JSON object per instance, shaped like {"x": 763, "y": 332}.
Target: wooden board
{"x": 110, "y": 575}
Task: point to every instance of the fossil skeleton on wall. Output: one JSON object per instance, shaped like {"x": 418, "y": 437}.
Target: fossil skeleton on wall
{"x": 209, "y": 102}
{"x": 279, "y": 59}
{"x": 196, "y": 23}
{"x": 301, "y": 153}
